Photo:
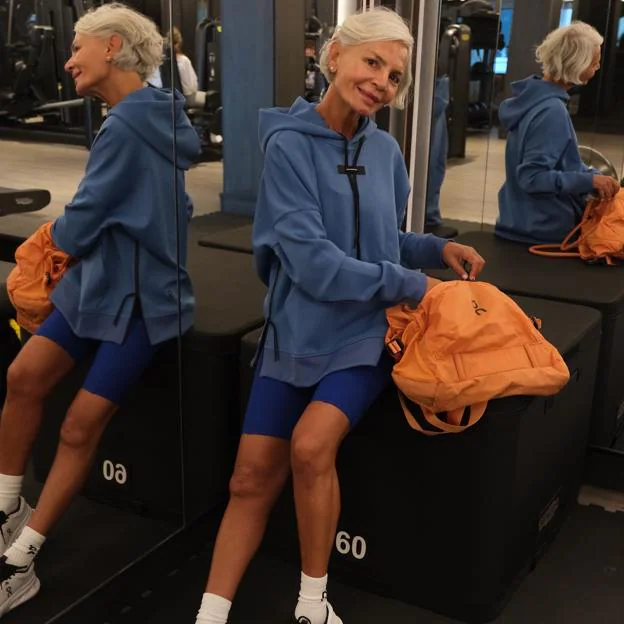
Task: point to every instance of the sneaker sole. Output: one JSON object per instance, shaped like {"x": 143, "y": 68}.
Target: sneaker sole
{"x": 332, "y": 618}
{"x": 25, "y": 593}
{"x": 17, "y": 531}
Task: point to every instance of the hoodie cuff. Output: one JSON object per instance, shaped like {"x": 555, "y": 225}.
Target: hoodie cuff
{"x": 422, "y": 251}
{"x": 584, "y": 183}
{"x": 441, "y": 243}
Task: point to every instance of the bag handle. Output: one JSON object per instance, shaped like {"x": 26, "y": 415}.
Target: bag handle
{"x": 566, "y": 249}
{"x": 476, "y": 412}
{"x": 563, "y": 250}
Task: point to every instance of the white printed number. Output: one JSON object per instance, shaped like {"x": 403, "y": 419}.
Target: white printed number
{"x": 346, "y": 545}
{"x": 114, "y": 472}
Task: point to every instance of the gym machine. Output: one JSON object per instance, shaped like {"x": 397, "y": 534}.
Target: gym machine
{"x": 36, "y": 94}
{"x": 468, "y": 48}
{"x": 207, "y": 121}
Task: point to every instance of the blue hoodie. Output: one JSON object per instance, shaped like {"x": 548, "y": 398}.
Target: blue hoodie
{"x": 544, "y": 194}
{"x": 121, "y": 224}
{"x": 325, "y": 307}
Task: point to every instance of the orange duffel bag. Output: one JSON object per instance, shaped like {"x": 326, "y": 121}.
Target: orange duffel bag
{"x": 40, "y": 266}
{"x": 600, "y": 234}
{"x": 467, "y": 343}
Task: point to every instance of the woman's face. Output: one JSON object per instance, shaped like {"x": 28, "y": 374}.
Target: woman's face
{"x": 88, "y": 64}
{"x": 367, "y": 76}
{"x": 590, "y": 72}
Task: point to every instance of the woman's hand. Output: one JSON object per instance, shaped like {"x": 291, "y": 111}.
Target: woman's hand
{"x": 606, "y": 187}
{"x": 457, "y": 256}
{"x": 432, "y": 282}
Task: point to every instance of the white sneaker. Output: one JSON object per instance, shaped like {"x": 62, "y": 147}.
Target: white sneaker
{"x": 17, "y": 585}
{"x": 11, "y": 524}
{"x": 331, "y": 617}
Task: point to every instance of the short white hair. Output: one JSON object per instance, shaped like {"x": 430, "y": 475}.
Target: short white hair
{"x": 378, "y": 24}
{"x": 141, "y": 43}
{"x": 568, "y": 51}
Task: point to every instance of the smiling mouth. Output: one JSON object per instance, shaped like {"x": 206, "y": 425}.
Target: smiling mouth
{"x": 368, "y": 97}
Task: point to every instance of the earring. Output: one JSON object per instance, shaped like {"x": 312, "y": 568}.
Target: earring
{"x": 332, "y": 69}
{"x": 108, "y": 59}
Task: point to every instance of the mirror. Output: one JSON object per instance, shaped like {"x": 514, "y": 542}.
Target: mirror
{"x": 58, "y": 143}
{"x": 592, "y": 108}
{"x": 471, "y": 58}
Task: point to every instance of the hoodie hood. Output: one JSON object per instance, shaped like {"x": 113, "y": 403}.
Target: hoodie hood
{"x": 303, "y": 117}
{"x": 527, "y": 95}
{"x": 148, "y": 113}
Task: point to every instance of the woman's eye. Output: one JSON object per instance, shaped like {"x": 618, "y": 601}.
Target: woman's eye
{"x": 371, "y": 62}
{"x": 395, "y": 79}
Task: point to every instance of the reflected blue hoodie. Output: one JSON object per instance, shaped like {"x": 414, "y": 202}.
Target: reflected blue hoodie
{"x": 328, "y": 246}
{"x": 121, "y": 224}
{"x": 544, "y": 195}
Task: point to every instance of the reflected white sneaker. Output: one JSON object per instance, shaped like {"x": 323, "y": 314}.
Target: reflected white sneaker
{"x": 17, "y": 585}
{"x": 12, "y": 523}
{"x": 330, "y": 618}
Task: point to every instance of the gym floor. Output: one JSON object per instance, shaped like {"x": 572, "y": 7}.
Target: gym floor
{"x": 469, "y": 192}
{"x": 579, "y": 581}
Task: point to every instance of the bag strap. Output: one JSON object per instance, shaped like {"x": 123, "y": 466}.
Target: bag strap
{"x": 552, "y": 251}
{"x": 564, "y": 250}
{"x": 476, "y": 412}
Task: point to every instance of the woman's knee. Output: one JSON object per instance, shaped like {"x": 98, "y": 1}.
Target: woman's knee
{"x": 254, "y": 480}
{"x": 24, "y": 380}
{"x": 78, "y": 432}
{"x": 310, "y": 455}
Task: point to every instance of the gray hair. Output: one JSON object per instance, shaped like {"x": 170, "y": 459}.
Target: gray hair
{"x": 568, "y": 51}
{"x": 141, "y": 43}
{"x": 378, "y": 24}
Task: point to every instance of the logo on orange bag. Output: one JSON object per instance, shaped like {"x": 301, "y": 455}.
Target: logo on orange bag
{"x": 477, "y": 308}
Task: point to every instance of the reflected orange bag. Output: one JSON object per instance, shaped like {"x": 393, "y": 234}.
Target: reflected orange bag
{"x": 601, "y": 235}
{"x": 467, "y": 343}
{"x": 40, "y": 266}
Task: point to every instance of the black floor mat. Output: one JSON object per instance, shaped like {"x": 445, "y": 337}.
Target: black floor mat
{"x": 580, "y": 580}
{"x": 91, "y": 543}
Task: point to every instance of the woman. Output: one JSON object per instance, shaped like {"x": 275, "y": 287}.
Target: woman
{"x": 119, "y": 301}
{"x": 547, "y": 183}
{"x": 327, "y": 243}
{"x": 188, "y": 77}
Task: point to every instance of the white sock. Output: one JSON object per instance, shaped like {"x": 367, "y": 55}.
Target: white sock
{"x": 25, "y": 547}
{"x": 10, "y": 488}
{"x": 214, "y": 610}
{"x": 312, "y": 600}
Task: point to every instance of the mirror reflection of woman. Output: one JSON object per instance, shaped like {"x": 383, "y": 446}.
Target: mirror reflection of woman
{"x": 547, "y": 183}
{"x": 117, "y": 303}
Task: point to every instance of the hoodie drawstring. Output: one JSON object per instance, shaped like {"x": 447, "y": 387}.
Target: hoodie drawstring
{"x": 352, "y": 171}
{"x": 269, "y": 324}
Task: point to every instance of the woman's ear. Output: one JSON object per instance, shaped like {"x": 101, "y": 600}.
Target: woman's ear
{"x": 333, "y": 57}
{"x": 113, "y": 45}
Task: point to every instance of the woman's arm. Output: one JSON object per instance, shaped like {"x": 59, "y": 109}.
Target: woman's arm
{"x": 547, "y": 138}
{"x": 289, "y": 209}
{"x": 107, "y": 180}
{"x": 188, "y": 77}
